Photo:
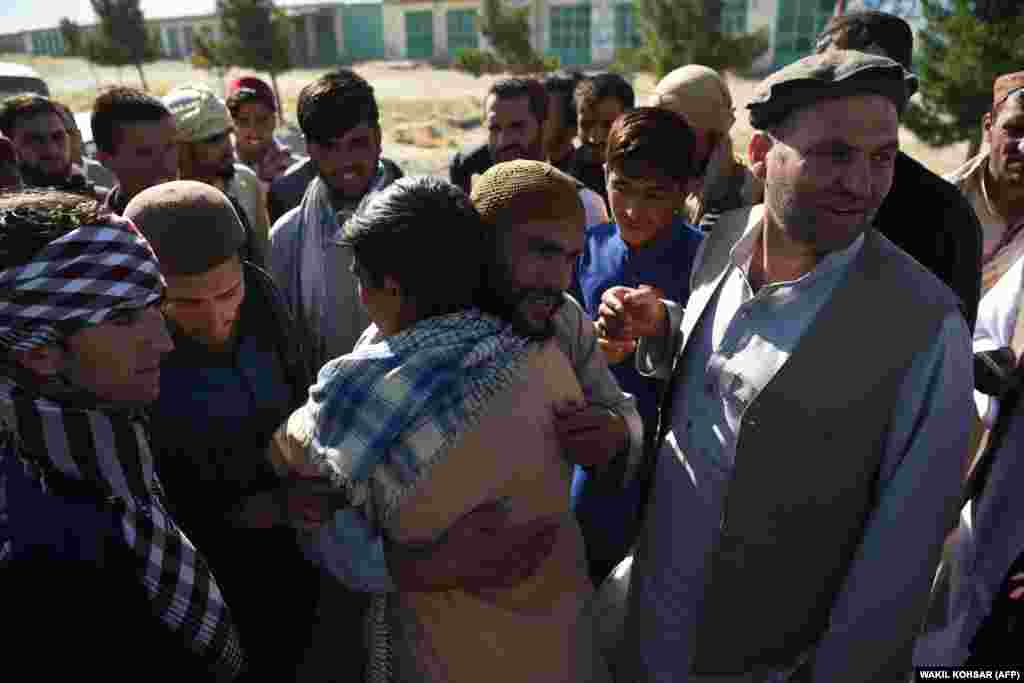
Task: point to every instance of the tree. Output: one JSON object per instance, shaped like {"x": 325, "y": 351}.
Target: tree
{"x": 508, "y": 31}
{"x": 964, "y": 46}
{"x": 122, "y": 37}
{"x": 680, "y": 32}
{"x": 255, "y": 35}
{"x": 71, "y": 33}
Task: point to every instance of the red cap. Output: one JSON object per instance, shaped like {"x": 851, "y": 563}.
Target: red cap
{"x": 258, "y": 88}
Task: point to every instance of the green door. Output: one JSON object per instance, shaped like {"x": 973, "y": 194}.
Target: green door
{"x": 172, "y": 43}
{"x": 419, "y": 34}
{"x": 570, "y": 34}
{"x": 364, "y": 31}
{"x": 462, "y": 33}
{"x": 797, "y": 24}
{"x": 326, "y": 40}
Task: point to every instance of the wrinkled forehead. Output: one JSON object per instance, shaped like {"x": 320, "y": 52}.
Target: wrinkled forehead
{"x": 851, "y": 118}
{"x": 1012, "y": 109}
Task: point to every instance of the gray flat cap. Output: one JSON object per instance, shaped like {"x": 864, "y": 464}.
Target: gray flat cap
{"x": 834, "y": 73}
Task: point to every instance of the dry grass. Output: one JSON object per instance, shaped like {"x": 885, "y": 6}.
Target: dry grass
{"x": 433, "y": 107}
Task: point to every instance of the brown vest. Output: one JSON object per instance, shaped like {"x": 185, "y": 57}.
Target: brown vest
{"x": 808, "y": 454}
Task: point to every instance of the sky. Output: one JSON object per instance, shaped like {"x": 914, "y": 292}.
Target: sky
{"x": 21, "y": 15}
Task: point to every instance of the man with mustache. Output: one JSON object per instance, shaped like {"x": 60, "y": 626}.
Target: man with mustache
{"x": 205, "y": 154}
{"x": 235, "y": 373}
{"x": 993, "y": 181}
{"x": 338, "y": 115}
{"x": 808, "y": 459}
{"x": 600, "y": 100}
{"x": 515, "y": 113}
{"x": 950, "y": 246}
{"x": 34, "y": 125}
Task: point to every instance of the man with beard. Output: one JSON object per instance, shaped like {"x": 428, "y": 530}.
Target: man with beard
{"x": 236, "y": 372}
{"x": 205, "y": 154}
{"x": 951, "y": 244}
{"x": 532, "y": 254}
{"x": 98, "y": 579}
{"x": 34, "y": 124}
{"x": 805, "y": 472}
{"x": 135, "y": 138}
{"x": 515, "y": 113}
{"x": 701, "y": 96}
{"x": 993, "y": 181}
{"x": 286, "y": 192}
{"x": 560, "y": 129}
{"x": 338, "y": 115}
{"x": 599, "y": 101}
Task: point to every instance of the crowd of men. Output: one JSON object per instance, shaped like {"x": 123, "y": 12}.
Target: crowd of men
{"x": 613, "y": 404}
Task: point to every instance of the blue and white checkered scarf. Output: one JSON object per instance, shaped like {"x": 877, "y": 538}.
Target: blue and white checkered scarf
{"x": 383, "y": 414}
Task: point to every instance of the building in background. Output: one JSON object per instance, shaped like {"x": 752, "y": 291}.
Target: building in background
{"x": 579, "y": 33}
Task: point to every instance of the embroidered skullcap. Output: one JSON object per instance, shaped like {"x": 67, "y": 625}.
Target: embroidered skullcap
{"x": 829, "y": 75}
{"x": 192, "y": 226}
{"x": 81, "y": 278}
{"x": 198, "y": 113}
{"x": 1006, "y": 85}
{"x": 522, "y": 191}
{"x": 699, "y": 95}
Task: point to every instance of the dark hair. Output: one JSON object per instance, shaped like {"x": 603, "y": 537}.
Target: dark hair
{"x": 31, "y": 219}
{"x": 122, "y": 106}
{"x": 424, "y": 233}
{"x": 336, "y": 103}
{"x": 603, "y": 85}
{"x": 511, "y": 88}
{"x": 24, "y": 106}
{"x": 564, "y": 83}
{"x": 652, "y": 138}
{"x": 862, "y": 30}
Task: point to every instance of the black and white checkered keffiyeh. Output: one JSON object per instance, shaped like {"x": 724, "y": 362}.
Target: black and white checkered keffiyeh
{"x": 79, "y": 279}
{"x": 105, "y": 453}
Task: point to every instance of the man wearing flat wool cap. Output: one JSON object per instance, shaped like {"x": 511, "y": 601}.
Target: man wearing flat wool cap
{"x": 787, "y": 429}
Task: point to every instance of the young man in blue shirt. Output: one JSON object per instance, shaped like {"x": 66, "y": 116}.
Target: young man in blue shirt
{"x": 651, "y": 169}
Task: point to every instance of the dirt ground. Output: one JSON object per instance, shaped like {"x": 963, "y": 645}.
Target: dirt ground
{"x": 427, "y": 113}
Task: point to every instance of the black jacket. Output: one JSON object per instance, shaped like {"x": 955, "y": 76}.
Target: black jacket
{"x": 928, "y": 217}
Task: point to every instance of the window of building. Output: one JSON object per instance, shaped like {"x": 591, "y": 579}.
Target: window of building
{"x": 627, "y": 26}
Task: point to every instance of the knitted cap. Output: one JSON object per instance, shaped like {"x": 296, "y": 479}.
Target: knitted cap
{"x": 198, "y": 113}
{"x": 831, "y": 74}
{"x": 191, "y": 226}
{"x": 699, "y": 95}
{"x": 522, "y": 191}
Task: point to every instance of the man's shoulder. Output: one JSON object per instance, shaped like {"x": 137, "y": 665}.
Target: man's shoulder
{"x": 914, "y": 280}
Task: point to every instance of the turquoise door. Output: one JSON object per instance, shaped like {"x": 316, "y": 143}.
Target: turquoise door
{"x": 172, "y": 43}
{"x": 364, "y": 32}
{"x": 462, "y": 33}
{"x": 797, "y": 24}
{"x": 419, "y": 34}
{"x": 570, "y": 34}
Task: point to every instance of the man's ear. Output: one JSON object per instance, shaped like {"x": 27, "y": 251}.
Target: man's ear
{"x": 46, "y": 360}
{"x": 757, "y": 151}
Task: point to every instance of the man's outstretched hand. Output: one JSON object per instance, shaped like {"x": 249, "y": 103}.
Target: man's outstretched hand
{"x": 482, "y": 550}
{"x": 626, "y": 314}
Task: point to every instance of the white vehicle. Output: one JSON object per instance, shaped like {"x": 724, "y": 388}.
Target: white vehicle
{"x": 18, "y": 78}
